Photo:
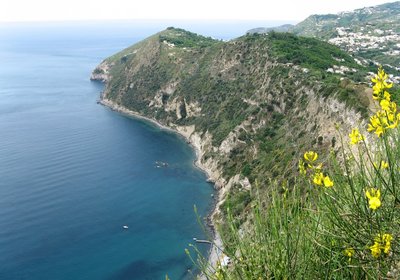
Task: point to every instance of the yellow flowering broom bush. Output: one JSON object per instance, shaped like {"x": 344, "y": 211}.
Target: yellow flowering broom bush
{"x": 339, "y": 220}
{"x": 358, "y": 216}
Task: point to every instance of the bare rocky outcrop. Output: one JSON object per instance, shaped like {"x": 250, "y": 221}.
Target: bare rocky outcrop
{"x": 100, "y": 73}
{"x": 161, "y": 98}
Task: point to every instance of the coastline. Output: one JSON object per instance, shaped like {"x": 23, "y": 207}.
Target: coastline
{"x": 214, "y": 254}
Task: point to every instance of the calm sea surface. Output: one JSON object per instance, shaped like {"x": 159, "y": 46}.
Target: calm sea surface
{"x": 72, "y": 172}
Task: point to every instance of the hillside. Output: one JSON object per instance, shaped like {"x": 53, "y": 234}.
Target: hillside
{"x": 250, "y": 106}
{"x": 371, "y": 33}
{"x": 281, "y": 28}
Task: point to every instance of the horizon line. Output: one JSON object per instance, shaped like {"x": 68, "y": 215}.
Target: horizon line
{"x": 147, "y": 19}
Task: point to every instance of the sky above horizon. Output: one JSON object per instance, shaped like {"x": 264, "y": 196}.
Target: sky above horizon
{"x": 282, "y": 10}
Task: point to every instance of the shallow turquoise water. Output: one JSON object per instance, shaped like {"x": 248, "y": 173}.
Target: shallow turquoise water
{"x": 72, "y": 172}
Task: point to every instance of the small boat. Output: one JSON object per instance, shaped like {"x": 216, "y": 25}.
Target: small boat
{"x": 161, "y": 164}
{"x": 125, "y": 227}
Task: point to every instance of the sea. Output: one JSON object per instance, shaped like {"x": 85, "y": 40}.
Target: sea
{"x": 73, "y": 173}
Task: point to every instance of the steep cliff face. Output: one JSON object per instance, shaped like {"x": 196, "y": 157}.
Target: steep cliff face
{"x": 101, "y": 73}
{"x": 248, "y": 109}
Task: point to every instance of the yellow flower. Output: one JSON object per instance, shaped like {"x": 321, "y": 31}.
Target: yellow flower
{"x": 387, "y": 85}
{"x": 328, "y": 182}
{"x": 375, "y": 125}
{"x": 375, "y": 250}
{"x": 310, "y": 156}
{"x": 386, "y": 238}
{"x": 373, "y": 196}
{"x": 375, "y": 121}
{"x": 381, "y": 242}
{"x": 380, "y": 84}
{"x": 386, "y": 95}
{"x": 376, "y": 94}
{"x": 379, "y": 131}
{"x": 318, "y": 178}
{"x": 377, "y": 88}
{"x": 393, "y": 121}
{"x": 381, "y": 73}
{"x": 384, "y": 164}
{"x": 391, "y": 118}
{"x": 385, "y": 105}
{"x": 355, "y": 136}
{"x": 349, "y": 252}
{"x": 382, "y": 76}
{"x": 384, "y": 120}
{"x": 302, "y": 167}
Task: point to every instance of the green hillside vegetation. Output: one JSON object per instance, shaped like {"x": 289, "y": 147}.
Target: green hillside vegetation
{"x": 308, "y": 52}
{"x": 185, "y": 39}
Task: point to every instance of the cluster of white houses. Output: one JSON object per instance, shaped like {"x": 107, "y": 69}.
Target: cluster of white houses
{"x": 374, "y": 39}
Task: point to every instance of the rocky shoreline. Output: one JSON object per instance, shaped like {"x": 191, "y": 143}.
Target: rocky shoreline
{"x": 213, "y": 176}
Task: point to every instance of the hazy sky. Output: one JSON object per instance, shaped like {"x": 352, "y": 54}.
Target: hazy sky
{"x": 291, "y": 10}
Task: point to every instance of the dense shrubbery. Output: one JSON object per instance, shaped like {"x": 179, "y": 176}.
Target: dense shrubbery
{"x": 339, "y": 220}
{"x": 308, "y": 52}
{"x": 185, "y": 39}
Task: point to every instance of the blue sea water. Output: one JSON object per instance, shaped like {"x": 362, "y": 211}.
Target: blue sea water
{"x": 72, "y": 172}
